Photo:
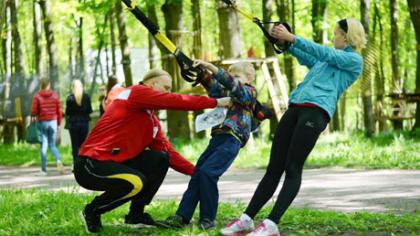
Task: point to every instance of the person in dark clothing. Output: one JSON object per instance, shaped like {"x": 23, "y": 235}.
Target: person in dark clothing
{"x": 78, "y": 109}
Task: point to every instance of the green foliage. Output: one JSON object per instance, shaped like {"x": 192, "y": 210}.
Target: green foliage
{"x": 385, "y": 151}
{"x": 29, "y": 155}
{"x": 35, "y": 212}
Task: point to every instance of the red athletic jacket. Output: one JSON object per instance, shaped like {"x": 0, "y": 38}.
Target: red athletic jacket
{"x": 129, "y": 126}
{"x": 46, "y": 106}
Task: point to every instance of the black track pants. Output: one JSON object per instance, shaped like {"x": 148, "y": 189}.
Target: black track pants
{"x": 137, "y": 179}
{"x": 295, "y": 137}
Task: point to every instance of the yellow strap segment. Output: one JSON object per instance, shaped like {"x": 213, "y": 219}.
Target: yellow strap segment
{"x": 166, "y": 42}
{"x": 244, "y": 13}
{"x": 132, "y": 5}
{"x": 133, "y": 179}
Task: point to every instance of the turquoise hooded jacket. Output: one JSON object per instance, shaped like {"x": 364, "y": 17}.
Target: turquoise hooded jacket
{"x": 331, "y": 72}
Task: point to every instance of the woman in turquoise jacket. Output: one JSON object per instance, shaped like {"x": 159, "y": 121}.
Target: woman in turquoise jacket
{"x": 311, "y": 106}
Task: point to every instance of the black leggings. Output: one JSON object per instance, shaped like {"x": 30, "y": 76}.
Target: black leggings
{"x": 295, "y": 137}
{"x": 137, "y": 180}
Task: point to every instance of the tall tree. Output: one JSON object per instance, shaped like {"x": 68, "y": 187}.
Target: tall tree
{"x": 379, "y": 71}
{"x": 197, "y": 43}
{"x": 125, "y": 49}
{"x": 2, "y": 14}
{"x": 113, "y": 44}
{"x": 8, "y": 135}
{"x": 197, "y": 46}
{"x": 396, "y": 80}
{"x": 37, "y": 24}
{"x": 230, "y": 31}
{"x": 101, "y": 35}
{"x": 267, "y": 7}
{"x": 51, "y": 48}
{"x": 153, "y": 46}
{"x": 318, "y": 11}
{"x": 414, "y": 6}
{"x": 285, "y": 10}
{"x": 178, "y": 125}
{"x": 366, "y": 82}
{"x": 80, "y": 54}
{"x": 18, "y": 80}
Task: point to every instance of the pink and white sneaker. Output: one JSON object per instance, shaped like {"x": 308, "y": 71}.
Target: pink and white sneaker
{"x": 266, "y": 228}
{"x": 237, "y": 227}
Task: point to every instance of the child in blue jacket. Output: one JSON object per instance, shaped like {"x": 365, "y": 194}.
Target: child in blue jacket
{"x": 242, "y": 117}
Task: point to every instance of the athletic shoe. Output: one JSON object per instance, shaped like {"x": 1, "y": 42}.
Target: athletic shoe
{"x": 266, "y": 228}
{"x": 143, "y": 220}
{"x": 237, "y": 227}
{"x": 92, "y": 221}
{"x": 175, "y": 221}
{"x": 206, "y": 224}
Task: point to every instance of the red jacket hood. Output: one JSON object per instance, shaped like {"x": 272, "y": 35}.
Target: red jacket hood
{"x": 46, "y": 93}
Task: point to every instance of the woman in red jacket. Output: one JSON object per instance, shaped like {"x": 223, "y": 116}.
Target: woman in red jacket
{"x": 46, "y": 110}
{"x": 126, "y": 155}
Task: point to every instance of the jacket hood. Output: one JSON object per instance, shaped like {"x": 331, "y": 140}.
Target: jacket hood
{"x": 46, "y": 93}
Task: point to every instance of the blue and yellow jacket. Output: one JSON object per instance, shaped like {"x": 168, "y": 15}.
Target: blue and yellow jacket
{"x": 331, "y": 72}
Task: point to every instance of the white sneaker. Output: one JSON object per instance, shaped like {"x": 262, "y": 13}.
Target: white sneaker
{"x": 237, "y": 227}
{"x": 266, "y": 228}
{"x": 41, "y": 173}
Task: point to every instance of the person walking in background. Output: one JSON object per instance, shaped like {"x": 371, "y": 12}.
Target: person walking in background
{"x": 46, "y": 110}
{"x": 78, "y": 109}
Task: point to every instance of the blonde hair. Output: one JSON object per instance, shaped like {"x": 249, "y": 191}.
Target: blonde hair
{"x": 245, "y": 68}
{"x": 77, "y": 90}
{"x": 153, "y": 73}
{"x": 355, "y": 34}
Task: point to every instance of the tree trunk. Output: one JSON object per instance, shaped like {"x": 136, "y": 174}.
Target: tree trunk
{"x": 197, "y": 48}
{"x": 366, "y": 82}
{"x": 153, "y": 45}
{"x": 2, "y": 14}
{"x": 318, "y": 11}
{"x": 98, "y": 57}
{"x": 229, "y": 33}
{"x": 197, "y": 42}
{"x": 8, "y": 135}
{"x": 267, "y": 7}
{"x": 80, "y": 55}
{"x": 414, "y": 7}
{"x": 37, "y": 39}
{"x": 51, "y": 48}
{"x": 379, "y": 74}
{"x": 178, "y": 124}
{"x": 113, "y": 44}
{"x": 342, "y": 107}
{"x": 285, "y": 10}
{"x": 125, "y": 49}
{"x": 396, "y": 81}
{"x": 19, "y": 73}
{"x": 71, "y": 62}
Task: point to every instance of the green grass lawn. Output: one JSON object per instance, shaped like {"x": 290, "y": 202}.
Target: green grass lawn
{"x": 386, "y": 151}
{"x": 36, "y": 212}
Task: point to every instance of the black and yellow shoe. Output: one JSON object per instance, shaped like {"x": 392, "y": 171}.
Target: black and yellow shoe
{"x": 92, "y": 221}
{"x": 140, "y": 221}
